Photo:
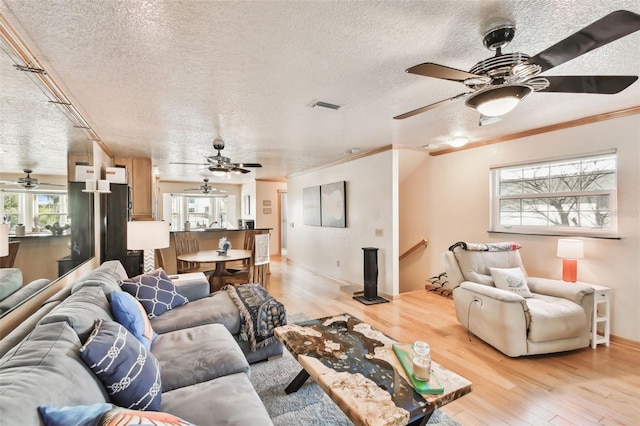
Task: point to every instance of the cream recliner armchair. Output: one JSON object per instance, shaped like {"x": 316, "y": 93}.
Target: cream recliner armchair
{"x": 554, "y": 317}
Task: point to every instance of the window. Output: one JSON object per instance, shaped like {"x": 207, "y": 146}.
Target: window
{"x": 203, "y": 211}
{"x": 562, "y": 197}
{"x": 35, "y": 210}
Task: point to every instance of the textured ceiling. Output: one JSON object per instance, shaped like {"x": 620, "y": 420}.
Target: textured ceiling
{"x": 164, "y": 78}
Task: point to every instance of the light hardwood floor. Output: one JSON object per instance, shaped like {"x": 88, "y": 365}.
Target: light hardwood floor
{"x": 585, "y": 387}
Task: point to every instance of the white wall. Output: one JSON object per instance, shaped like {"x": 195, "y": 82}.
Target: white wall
{"x": 414, "y": 213}
{"x": 248, "y": 189}
{"x": 456, "y": 186}
{"x": 372, "y": 200}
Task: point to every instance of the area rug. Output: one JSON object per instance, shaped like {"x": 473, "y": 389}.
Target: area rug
{"x": 309, "y": 405}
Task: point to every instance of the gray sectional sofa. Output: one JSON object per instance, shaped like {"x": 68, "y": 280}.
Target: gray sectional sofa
{"x": 12, "y": 290}
{"x": 204, "y": 369}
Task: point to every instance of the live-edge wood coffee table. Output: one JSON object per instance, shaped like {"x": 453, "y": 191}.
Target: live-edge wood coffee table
{"x": 356, "y": 366}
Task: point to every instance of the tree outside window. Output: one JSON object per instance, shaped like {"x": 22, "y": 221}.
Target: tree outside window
{"x": 573, "y": 194}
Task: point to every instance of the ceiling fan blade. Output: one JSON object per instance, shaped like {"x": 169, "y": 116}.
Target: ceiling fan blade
{"x": 605, "y": 30}
{"x": 190, "y": 164}
{"x": 429, "y": 69}
{"x": 601, "y": 84}
{"x": 428, "y": 107}
{"x": 51, "y": 184}
{"x": 246, "y": 165}
{"x": 239, "y": 170}
{"x": 486, "y": 120}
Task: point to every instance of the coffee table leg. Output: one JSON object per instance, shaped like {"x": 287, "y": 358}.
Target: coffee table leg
{"x": 421, "y": 422}
{"x": 297, "y": 382}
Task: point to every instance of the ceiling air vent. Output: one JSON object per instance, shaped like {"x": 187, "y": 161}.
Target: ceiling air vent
{"x": 326, "y": 105}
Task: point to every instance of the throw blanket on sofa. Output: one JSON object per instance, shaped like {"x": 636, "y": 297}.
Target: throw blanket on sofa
{"x": 260, "y": 313}
{"x": 502, "y": 246}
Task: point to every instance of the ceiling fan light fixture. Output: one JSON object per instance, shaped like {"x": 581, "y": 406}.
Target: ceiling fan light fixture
{"x": 458, "y": 141}
{"x": 499, "y": 100}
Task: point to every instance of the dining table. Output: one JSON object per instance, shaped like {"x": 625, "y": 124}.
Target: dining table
{"x": 220, "y": 259}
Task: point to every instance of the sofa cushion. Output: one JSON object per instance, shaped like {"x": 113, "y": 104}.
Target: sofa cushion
{"x": 129, "y": 372}
{"x": 193, "y": 285}
{"x": 155, "y": 291}
{"x": 215, "y": 309}
{"x": 554, "y": 318}
{"x": 229, "y": 400}
{"x": 107, "y": 276}
{"x": 45, "y": 369}
{"x": 129, "y": 312}
{"x": 23, "y": 294}
{"x": 81, "y": 310}
{"x": 511, "y": 279}
{"x": 10, "y": 281}
{"x": 197, "y": 354}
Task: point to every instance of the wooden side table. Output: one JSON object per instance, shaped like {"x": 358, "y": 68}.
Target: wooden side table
{"x": 601, "y": 296}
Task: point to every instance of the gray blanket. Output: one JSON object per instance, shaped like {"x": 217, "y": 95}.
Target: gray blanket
{"x": 501, "y": 246}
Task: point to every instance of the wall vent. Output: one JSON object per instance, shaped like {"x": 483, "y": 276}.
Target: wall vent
{"x": 326, "y": 105}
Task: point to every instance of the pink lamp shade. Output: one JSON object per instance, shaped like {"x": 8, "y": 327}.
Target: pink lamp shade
{"x": 4, "y": 240}
{"x": 147, "y": 236}
{"x": 570, "y": 250}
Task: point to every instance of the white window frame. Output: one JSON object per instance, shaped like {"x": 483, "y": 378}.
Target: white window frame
{"x": 27, "y": 206}
{"x": 495, "y": 197}
{"x": 216, "y": 211}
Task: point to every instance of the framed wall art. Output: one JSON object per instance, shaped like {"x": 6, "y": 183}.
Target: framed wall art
{"x": 333, "y": 203}
{"x": 311, "y": 206}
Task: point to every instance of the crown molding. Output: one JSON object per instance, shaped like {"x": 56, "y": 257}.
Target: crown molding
{"x": 552, "y": 128}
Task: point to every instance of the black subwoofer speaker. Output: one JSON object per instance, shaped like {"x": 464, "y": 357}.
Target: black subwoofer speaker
{"x": 370, "y": 296}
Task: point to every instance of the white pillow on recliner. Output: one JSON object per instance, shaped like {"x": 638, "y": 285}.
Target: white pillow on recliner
{"x": 511, "y": 279}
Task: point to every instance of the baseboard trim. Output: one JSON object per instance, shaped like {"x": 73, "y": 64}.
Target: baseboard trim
{"x": 627, "y": 343}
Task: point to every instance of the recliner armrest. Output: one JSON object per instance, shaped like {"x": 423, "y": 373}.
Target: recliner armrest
{"x": 493, "y": 292}
{"x": 570, "y": 291}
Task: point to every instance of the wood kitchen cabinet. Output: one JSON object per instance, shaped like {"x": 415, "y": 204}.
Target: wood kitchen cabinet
{"x": 139, "y": 179}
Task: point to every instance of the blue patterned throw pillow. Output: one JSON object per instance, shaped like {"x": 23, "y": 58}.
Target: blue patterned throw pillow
{"x": 130, "y": 373}
{"x": 77, "y": 415}
{"x": 130, "y": 313}
{"x": 155, "y": 291}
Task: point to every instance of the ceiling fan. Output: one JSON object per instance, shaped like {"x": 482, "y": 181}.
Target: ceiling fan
{"x": 206, "y": 188}
{"x": 28, "y": 182}
{"x": 499, "y": 83}
{"x": 219, "y": 165}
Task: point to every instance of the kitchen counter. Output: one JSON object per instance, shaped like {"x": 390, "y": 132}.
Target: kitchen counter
{"x": 37, "y": 235}
{"x": 222, "y": 230}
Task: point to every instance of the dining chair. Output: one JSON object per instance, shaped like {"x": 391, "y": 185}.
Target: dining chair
{"x": 10, "y": 259}
{"x": 160, "y": 259}
{"x": 259, "y": 272}
{"x": 187, "y": 242}
{"x": 258, "y": 263}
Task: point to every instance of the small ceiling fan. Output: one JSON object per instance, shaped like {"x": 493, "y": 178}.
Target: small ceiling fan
{"x": 219, "y": 165}
{"x": 29, "y": 182}
{"x": 206, "y": 188}
{"x": 499, "y": 83}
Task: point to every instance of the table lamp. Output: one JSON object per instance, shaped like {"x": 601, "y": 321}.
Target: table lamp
{"x": 4, "y": 240}
{"x": 570, "y": 250}
{"x": 147, "y": 236}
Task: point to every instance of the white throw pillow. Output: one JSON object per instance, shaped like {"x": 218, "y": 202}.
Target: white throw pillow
{"x": 511, "y": 279}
